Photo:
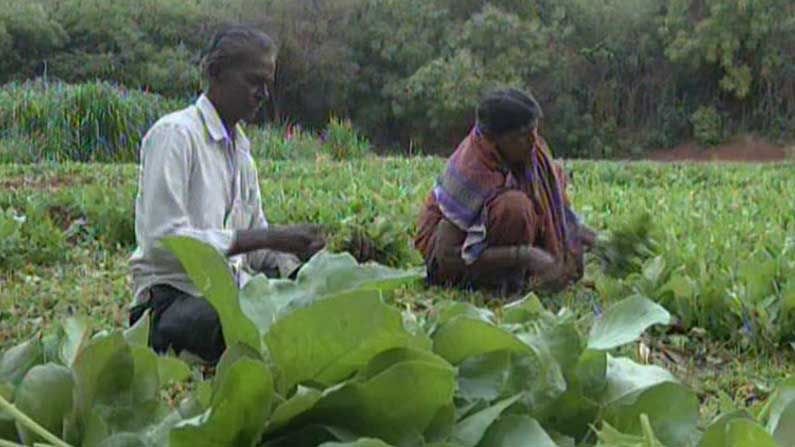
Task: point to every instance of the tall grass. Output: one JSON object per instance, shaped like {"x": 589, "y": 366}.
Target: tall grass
{"x": 339, "y": 141}
{"x": 343, "y": 142}
{"x": 92, "y": 122}
{"x": 283, "y": 143}
{"x": 100, "y": 122}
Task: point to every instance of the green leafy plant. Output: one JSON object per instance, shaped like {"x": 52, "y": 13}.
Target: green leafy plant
{"x": 30, "y": 238}
{"x": 343, "y": 142}
{"x": 627, "y": 247}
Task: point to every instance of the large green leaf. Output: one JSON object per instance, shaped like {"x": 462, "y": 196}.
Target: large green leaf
{"x": 116, "y": 390}
{"x": 781, "y": 400}
{"x": 379, "y": 405}
{"x": 625, "y": 321}
{"x": 516, "y": 431}
{"x": 530, "y": 369}
{"x": 210, "y": 273}
{"x": 328, "y": 274}
{"x": 76, "y": 334}
{"x": 391, "y": 357}
{"x": 17, "y": 361}
{"x": 576, "y": 409}
{"x": 364, "y": 442}
{"x": 103, "y": 370}
{"x": 672, "y": 409}
{"x": 738, "y": 432}
{"x": 262, "y": 300}
{"x": 558, "y": 338}
{"x": 523, "y": 311}
{"x": 610, "y": 437}
{"x": 238, "y": 413}
{"x": 633, "y": 390}
{"x": 715, "y": 434}
{"x": 589, "y": 376}
{"x": 442, "y": 424}
{"x": 484, "y": 377}
{"x": 172, "y": 369}
{"x": 124, "y": 440}
{"x": 448, "y": 310}
{"x": 470, "y": 431}
{"x": 785, "y": 429}
{"x": 306, "y": 435}
{"x": 571, "y": 414}
{"x": 265, "y": 300}
{"x": 8, "y": 428}
{"x": 230, "y": 357}
{"x": 625, "y": 378}
{"x": 465, "y": 337}
{"x": 329, "y": 340}
{"x": 302, "y": 401}
{"x": 45, "y": 395}
{"x": 138, "y": 334}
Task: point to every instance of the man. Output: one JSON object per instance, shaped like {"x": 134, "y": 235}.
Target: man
{"x": 499, "y": 217}
{"x": 198, "y": 179}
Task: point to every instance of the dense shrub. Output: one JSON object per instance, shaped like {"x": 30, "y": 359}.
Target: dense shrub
{"x": 707, "y": 126}
{"x": 343, "y": 142}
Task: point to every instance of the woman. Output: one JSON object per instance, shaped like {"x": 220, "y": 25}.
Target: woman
{"x": 499, "y": 217}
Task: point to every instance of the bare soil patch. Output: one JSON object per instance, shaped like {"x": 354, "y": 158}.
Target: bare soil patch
{"x": 742, "y": 149}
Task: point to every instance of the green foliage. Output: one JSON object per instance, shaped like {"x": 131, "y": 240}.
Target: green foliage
{"x": 607, "y": 334}
{"x": 283, "y": 143}
{"x": 349, "y": 373}
{"x": 87, "y": 122}
{"x": 142, "y": 44}
{"x": 30, "y": 238}
{"x": 702, "y": 255}
{"x": 342, "y": 380}
{"x": 707, "y": 126}
{"x": 628, "y": 246}
{"x": 343, "y": 142}
{"x": 410, "y": 71}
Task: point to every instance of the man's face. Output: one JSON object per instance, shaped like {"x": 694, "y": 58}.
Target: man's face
{"x": 244, "y": 87}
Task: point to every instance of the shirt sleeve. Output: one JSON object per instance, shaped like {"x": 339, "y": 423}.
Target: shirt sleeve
{"x": 166, "y": 157}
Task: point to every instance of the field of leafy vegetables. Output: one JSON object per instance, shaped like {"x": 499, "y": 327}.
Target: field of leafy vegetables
{"x": 364, "y": 355}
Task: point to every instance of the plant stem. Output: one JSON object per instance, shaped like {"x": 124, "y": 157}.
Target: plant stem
{"x": 25, "y": 420}
{"x": 4, "y": 443}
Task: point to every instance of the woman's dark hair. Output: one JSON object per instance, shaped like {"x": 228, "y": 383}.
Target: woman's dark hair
{"x": 506, "y": 110}
{"x": 232, "y": 45}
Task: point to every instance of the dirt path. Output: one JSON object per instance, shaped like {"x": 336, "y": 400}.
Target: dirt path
{"x": 742, "y": 149}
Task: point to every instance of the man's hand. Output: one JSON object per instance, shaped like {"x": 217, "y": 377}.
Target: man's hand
{"x": 301, "y": 240}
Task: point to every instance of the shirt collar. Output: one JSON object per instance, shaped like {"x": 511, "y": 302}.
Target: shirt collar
{"x": 215, "y": 127}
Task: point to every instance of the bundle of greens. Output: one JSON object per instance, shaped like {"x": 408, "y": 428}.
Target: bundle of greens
{"x": 625, "y": 248}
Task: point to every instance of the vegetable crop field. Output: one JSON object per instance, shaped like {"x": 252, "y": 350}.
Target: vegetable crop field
{"x": 689, "y": 343}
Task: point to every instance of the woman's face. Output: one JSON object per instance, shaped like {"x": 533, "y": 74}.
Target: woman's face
{"x": 516, "y": 146}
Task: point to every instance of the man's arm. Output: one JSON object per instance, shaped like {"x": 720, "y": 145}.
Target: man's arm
{"x": 301, "y": 240}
